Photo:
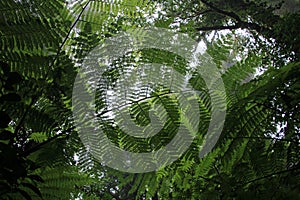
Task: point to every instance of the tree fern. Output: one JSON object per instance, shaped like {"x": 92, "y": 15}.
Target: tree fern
{"x": 44, "y": 43}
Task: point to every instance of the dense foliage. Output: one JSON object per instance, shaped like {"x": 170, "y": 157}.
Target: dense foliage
{"x": 255, "y": 45}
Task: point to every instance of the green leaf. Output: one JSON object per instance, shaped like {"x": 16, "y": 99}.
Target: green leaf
{"x": 33, "y": 188}
{"x": 25, "y": 194}
{"x": 38, "y": 137}
{"x": 36, "y": 178}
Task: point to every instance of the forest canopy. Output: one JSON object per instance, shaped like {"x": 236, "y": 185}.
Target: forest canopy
{"x": 254, "y": 46}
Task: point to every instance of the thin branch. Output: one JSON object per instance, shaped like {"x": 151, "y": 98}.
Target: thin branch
{"x": 68, "y": 35}
{"x": 72, "y": 27}
{"x": 273, "y": 174}
{"x": 223, "y": 12}
{"x": 39, "y": 145}
{"x": 22, "y": 119}
{"x": 263, "y": 138}
{"x": 240, "y": 23}
{"x": 214, "y": 28}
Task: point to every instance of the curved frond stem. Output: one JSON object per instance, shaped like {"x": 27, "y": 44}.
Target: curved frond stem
{"x": 272, "y": 175}
{"x": 39, "y": 145}
{"x": 67, "y": 36}
{"x": 263, "y": 138}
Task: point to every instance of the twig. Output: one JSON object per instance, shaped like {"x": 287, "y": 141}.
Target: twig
{"x": 273, "y": 174}
{"x": 263, "y": 138}
{"x": 67, "y": 36}
{"x": 39, "y": 145}
{"x": 214, "y": 28}
{"x": 22, "y": 119}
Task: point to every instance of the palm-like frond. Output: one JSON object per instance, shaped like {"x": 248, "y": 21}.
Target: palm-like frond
{"x": 42, "y": 46}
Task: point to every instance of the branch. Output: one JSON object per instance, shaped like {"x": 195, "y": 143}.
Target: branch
{"x": 67, "y": 36}
{"x": 22, "y": 119}
{"x": 223, "y": 12}
{"x": 214, "y": 28}
{"x": 39, "y": 145}
{"x": 273, "y": 174}
{"x": 263, "y": 138}
{"x": 71, "y": 28}
{"x": 240, "y": 22}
